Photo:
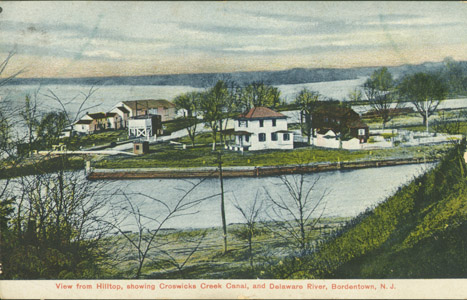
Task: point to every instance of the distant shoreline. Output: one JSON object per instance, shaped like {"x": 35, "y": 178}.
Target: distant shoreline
{"x": 244, "y": 171}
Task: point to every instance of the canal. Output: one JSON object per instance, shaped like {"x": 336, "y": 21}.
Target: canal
{"x": 346, "y": 194}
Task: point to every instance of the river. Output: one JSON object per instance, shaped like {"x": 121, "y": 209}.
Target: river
{"x": 348, "y": 193}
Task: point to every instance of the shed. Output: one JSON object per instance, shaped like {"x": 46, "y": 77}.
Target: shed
{"x": 141, "y": 147}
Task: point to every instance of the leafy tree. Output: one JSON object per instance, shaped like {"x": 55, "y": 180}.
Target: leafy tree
{"x": 190, "y": 102}
{"x": 307, "y": 101}
{"x": 50, "y": 127}
{"x": 424, "y": 91}
{"x": 212, "y": 106}
{"x": 355, "y": 95}
{"x": 259, "y": 94}
{"x": 455, "y": 76}
{"x": 379, "y": 90}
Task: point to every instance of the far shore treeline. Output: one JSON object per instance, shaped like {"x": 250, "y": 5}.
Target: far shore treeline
{"x": 204, "y": 80}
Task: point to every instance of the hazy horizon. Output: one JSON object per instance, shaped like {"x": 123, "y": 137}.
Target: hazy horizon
{"x": 103, "y": 39}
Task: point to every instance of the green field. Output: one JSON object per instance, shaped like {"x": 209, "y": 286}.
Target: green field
{"x": 171, "y": 156}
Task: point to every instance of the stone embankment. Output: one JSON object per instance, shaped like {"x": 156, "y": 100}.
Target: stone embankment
{"x": 243, "y": 171}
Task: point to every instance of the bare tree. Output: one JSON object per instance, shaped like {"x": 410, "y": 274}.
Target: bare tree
{"x": 149, "y": 227}
{"x": 30, "y": 117}
{"x": 307, "y": 101}
{"x": 4, "y": 65}
{"x": 251, "y": 217}
{"x": 83, "y": 107}
{"x": 191, "y": 244}
{"x": 450, "y": 123}
{"x": 297, "y": 214}
{"x": 57, "y": 228}
{"x": 380, "y": 92}
{"x": 424, "y": 91}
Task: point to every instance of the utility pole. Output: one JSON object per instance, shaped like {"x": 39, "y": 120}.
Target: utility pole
{"x": 224, "y": 223}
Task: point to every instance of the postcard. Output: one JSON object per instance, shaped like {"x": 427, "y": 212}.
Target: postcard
{"x": 224, "y": 150}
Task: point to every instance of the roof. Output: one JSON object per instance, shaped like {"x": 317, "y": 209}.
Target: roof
{"x": 111, "y": 114}
{"x": 283, "y": 131}
{"x": 86, "y": 122}
{"x": 358, "y": 124}
{"x": 261, "y": 113}
{"x": 123, "y": 109}
{"x": 242, "y": 133}
{"x": 334, "y": 111}
{"x": 148, "y": 104}
{"x": 99, "y": 115}
{"x": 142, "y": 117}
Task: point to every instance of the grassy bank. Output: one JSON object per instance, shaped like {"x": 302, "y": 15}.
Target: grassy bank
{"x": 417, "y": 233}
{"x": 209, "y": 261}
{"x": 167, "y": 155}
{"x": 41, "y": 165}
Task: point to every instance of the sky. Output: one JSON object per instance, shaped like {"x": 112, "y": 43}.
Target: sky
{"x": 106, "y": 38}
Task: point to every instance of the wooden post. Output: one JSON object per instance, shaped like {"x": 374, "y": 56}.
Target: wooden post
{"x": 224, "y": 223}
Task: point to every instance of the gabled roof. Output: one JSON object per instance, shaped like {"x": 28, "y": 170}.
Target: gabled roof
{"x": 111, "y": 114}
{"x": 123, "y": 109}
{"x": 83, "y": 122}
{"x": 99, "y": 115}
{"x": 148, "y": 104}
{"x": 261, "y": 113}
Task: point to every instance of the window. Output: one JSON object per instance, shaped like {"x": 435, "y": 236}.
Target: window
{"x": 361, "y": 132}
{"x": 273, "y": 136}
{"x": 286, "y": 137}
{"x": 262, "y": 137}
{"x": 240, "y": 139}
{"x": 242, "y": 123}
{"x": 137, "y": 147}
{"x": 274, "y": 123}
{"x": 247, "y": 138}
{"x": 261, "y": 123}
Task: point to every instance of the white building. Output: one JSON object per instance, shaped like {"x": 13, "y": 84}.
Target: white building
{"x": 147, "y": 127}
{"x": 261, "y": 128}
{"x": 162, "y": 107}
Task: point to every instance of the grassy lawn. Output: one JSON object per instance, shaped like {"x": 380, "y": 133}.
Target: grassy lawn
{"x": 175, "y": 125}
{"x": 97, "y": 139}
{"x": 166, "y": 155}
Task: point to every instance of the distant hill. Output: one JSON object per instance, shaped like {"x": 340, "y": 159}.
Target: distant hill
{"x": 420, "y": 232}
{"x": 202, "y": 80}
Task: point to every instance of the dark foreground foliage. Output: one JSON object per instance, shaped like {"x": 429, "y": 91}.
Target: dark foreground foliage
{"x": 417, "y": 233}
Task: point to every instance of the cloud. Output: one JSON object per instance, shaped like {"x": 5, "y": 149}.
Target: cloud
{"x": 102, "y": 54}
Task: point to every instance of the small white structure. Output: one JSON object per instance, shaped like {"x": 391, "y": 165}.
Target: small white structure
{"x": 83, "y": 126}
{"x": 147, "y": 126}
{"x": 124, "y": 115}
{"x": 261, "y": 128}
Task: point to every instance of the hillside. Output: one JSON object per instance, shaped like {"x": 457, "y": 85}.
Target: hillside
{"x": 420, "y": 232}
{"x": 202, "y": 80}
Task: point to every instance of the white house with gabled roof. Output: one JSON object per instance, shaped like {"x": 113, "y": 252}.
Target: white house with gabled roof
{"x": 261, "y": 128}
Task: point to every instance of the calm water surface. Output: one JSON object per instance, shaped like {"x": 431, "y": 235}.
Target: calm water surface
{"x": 348, "y": 192}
